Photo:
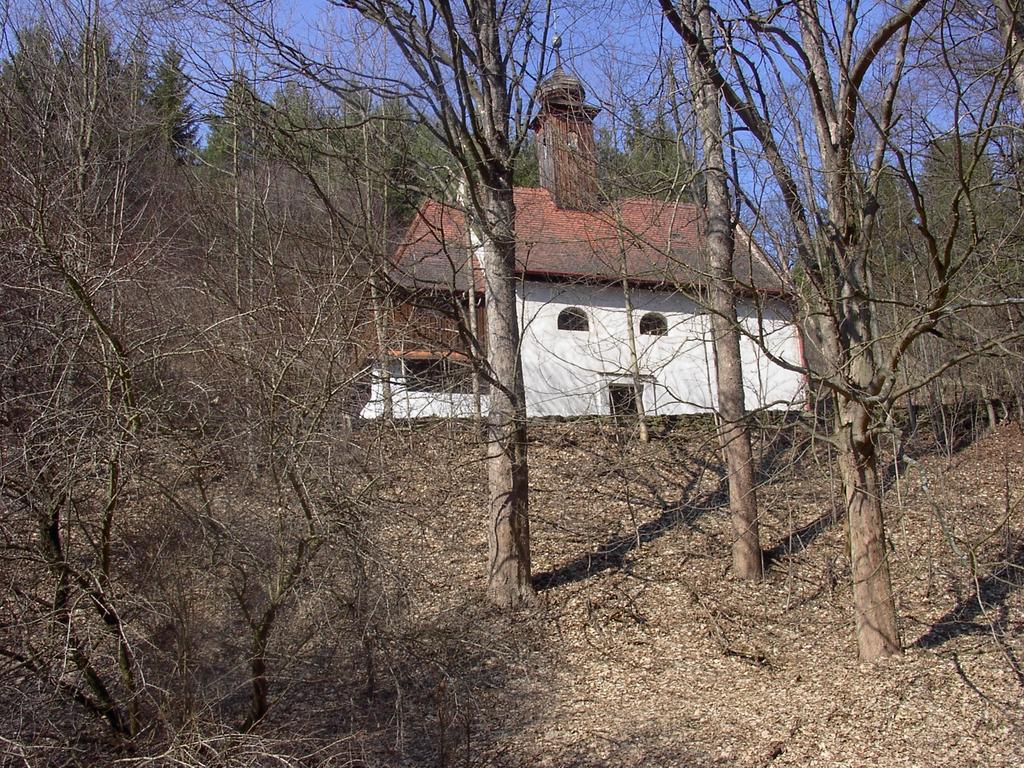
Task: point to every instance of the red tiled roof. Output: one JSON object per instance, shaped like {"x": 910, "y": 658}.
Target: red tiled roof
{"x": 660, "y": 243}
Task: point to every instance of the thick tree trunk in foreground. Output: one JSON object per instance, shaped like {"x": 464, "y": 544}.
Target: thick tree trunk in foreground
{"x": 734, "y": 434}
{"x": 1012, "y": 26}
{"x": 834, "y": 65}
{"x": 873, "y": 604}
{"x": 461, "y": 56}
{"x": 747, "y": 561}
{"x": 508, "y": 534}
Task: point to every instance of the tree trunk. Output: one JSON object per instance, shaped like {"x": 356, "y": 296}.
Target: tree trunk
{"x": 474, "y": 340}
{"x": 463, "y": 70}
{"x": 377, "y": 242}
{"x": 508, "y": 534}
{"x": 990, "y": 408}
{"x": 733, "y": 431}
{"x": 634, "y": 362}
{"x": 380, "y": 318}
{"x": 873, "y": 604}
{"x": 1012, "y": 27}
{"x": 259, "y": 685}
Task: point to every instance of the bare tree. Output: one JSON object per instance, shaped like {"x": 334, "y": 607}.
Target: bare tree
{"x": 182, "y": 345}
{"x": 721, "y": 228}
{"x": 1011, "y": 26}
{"x": 73, "y": 413}
{"x": 831, "y": 197}
{"x": 468, "y": 80}
{"x": 472, "y": 70}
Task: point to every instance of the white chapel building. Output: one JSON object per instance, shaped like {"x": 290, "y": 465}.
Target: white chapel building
{"x": 610, "y": 298}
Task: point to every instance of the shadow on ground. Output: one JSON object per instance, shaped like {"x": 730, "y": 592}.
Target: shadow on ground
{"x": 613, "y": 552}
{"x": 990, "y": 596}
{"x": 800, "y": 539}
{"x": 776, "y": 458}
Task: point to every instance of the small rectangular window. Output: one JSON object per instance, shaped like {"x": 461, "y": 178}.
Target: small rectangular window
{"x": 622, "y": 399}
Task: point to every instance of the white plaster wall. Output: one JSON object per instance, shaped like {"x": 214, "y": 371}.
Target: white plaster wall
{"x": 410, "y": 404}
{"x": 567, "y": 373}
{"x": 769, "y": 334}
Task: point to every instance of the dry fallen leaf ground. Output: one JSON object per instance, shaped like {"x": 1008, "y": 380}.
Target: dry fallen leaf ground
{"x": 643, "y": 651}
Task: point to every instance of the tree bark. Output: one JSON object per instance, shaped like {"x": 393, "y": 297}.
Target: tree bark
{"x": 508, "y": 534}
{"x": 509, "y": 582}
{"x": 874, "y": 608}
{"x": 380, "y": 315}
{"x": 734, "y": 433}
{"x": 259, "y": 685}
{"x": 1012, "y": 27}
{"x": 474, "y": 340}
{"x": 634, "y": 362}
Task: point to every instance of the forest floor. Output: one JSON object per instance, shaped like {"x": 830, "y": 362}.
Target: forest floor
{"x": 643, "y": 651}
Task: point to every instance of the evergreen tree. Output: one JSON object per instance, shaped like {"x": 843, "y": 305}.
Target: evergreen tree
{"x": 647, "y": 160}
{"x": 168, "y": 98}
{"x": 527, "y": 172}
{"x": 235, "y": 129}
{"x": 413, "y": 159}
{"x": 294, "y": 126}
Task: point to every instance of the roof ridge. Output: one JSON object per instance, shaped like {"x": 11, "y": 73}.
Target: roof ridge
{"x": 653, "y": 240}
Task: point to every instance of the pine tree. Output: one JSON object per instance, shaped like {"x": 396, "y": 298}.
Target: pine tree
{"x": 649, "y": 160}
{"x": 168, "y": 98}
{"x": 234, "y": 130}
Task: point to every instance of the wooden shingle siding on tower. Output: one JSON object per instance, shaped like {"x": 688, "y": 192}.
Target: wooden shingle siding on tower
{"x": 566, "y": 153}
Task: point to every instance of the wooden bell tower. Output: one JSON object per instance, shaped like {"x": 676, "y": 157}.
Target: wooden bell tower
{"x": 565, "y": 140}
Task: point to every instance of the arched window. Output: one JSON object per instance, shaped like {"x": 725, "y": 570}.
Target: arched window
{"x": 653, "y": 324}
{"x": 573, "y": 319}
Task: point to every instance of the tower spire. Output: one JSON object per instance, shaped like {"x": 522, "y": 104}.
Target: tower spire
{"x": 565, "y": 138}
